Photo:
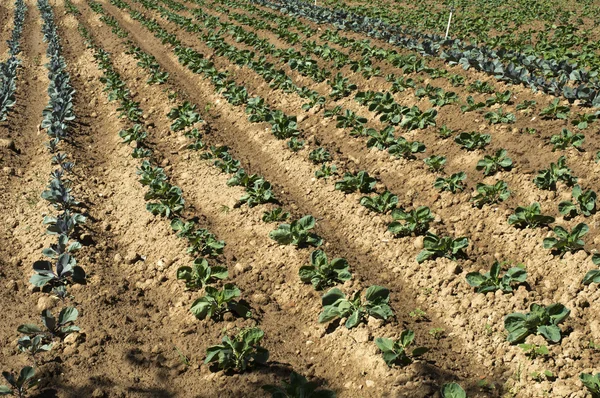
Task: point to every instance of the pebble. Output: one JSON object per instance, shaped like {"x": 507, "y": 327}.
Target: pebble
{"x": 8, "y": 144}
{"x": 418, "y": 242}
{"x": 46, "y": 303}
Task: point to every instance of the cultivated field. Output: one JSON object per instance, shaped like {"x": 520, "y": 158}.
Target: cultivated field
{"x": 227, "y": 198}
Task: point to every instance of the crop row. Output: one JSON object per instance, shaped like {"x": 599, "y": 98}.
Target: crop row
{"x": 52, "y": 276}
{"x": 487, "y": 194}
{"x": 8, "y": 68}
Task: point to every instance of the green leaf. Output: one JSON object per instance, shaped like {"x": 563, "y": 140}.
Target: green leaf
{"x": 453, "y": 390}
{"x": 67, "y": 315}
{"x": 29, "y": 329}
{"x": 384, "y": 344}
{"x": 377, "y": 294}
{"x": 201, "y": 307}
{"x": 550, "y": 333}
{"x": 475, "y": 279}
{"x": 407, "y": 337}
{"x": 332, "y": 296}
{"x": 353, "y": 320}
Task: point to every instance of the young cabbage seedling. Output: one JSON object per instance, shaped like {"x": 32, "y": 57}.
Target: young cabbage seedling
{"x": 259, "y": 193}
{"x": 435, "y": 246}
{"x": 184, "y": 116}
{"x": 435, "y": 163}
{"x": 239, "y": 352}
{"x": 297, "y": 233}
{"x": 473, "y": 140}
{"x": 529, "y": 217}
{"x": 567, "y": 139}
{"x": 336, "y": 305}
{"x": 298, "y": 387}
{"x": 445, "y": 132}
{"x": 135, "y": 133}
{"x": 275, "y": 215}
{"x": 295, "y": 144}
{"x": 555, "y": 111}
{"x": 326, "y": 171}
{"x": 585, "y": 199}
{"x": 33, "y": 346}
{"x": 55, "y": 328}
{"x": 402, "y": 148}
{"x": 491, "y": 281}
{"x": 454, "y": 183}
{"x": 19, "y": 384}
{"x": 217, "y": 302}
{"x": 533, "y": 351}
{"x": 492, "y": 164}
{"x": 322, "y": 273}
{"x": 381, "y": 139}
{"x": 380, "y": 203}
{"x": 201, "y": 274}
{"x": 499, "y": 116}
{"x": 416, "y": 221}
{"x": 548, "y": 178}
{"x": 490, "y": 194}
{"x": 416, "y": 119}
{"x": 567, "y": 241}
{"x": 319, "y": 155}
{"x": 540, "y": 321}
{"x": 360, "y": 181}
{"x": 453, "y": 390}
{"x": 593, "y": 276}
{"x": 582, "y": 120}
{"x": 395, "y": 352}
{"x": 201, "y": 240}
{"x": 592, "y": 383}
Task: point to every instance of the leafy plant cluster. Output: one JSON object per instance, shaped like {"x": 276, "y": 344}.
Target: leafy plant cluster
{"x": 61, "y": 266}
{"x": 60, "y": 269}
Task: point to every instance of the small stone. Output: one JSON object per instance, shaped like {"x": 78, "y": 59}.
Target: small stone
{"x": 7, "y": 143}
{"x": 12, "y": 285}
{"x": 453, "y": 269}
{"x": 418, "y": 242}
{"x": 94, "y": 115}
{"x": 260, "y": 299}
{"x": 71, "y": 339}
{"x": 46, "y": 303}
{"x": 370, "y": 383}
{"x": 117, "y": 258}
{"x": 98, "y": 393}
{"x": 361, "y": 335}
{"x": 131, "y": 257}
